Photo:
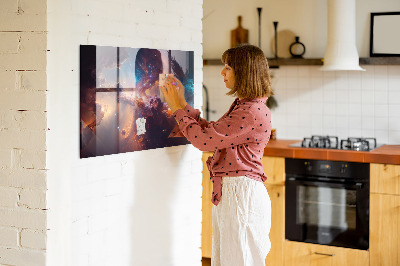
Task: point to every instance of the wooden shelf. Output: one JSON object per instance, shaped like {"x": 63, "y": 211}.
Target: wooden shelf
{"x": 380, "y": 61}
{"x": 274, "y": 63}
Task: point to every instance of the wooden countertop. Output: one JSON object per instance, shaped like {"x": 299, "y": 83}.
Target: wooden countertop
{"x": 389, "y": 154}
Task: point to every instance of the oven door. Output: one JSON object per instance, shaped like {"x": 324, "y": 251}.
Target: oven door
{"x": 327, "y": 213}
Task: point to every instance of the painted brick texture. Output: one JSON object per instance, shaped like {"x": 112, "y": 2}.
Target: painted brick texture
{"x": 23, "y": 218}
{"x": 139, "y": 208}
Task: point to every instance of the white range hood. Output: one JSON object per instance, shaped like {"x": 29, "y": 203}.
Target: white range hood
{"x": 341, "y": 51}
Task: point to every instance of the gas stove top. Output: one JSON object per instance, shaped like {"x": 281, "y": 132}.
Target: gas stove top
{"x": 332, "y": 142}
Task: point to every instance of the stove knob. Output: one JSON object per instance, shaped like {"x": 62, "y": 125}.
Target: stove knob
{"x": 308, "y": 166}
{"x": 343, "y": 168}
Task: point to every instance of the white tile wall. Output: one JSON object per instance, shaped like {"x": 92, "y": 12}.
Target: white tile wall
{"x": 313, "y": 102}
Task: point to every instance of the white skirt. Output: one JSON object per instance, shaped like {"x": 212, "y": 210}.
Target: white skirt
{"x": 241, "y": 223}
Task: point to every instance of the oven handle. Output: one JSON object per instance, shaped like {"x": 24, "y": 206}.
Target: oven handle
{"x": 357, "y": 185}
{"x": 324, "y": 254}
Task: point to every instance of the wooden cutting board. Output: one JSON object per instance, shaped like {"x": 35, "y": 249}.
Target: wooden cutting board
{"x": 239, "y": 35}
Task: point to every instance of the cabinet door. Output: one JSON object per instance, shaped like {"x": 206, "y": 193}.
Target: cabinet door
{"x": 304, "y": 254}
{"x": 277, "y": 233}
{"x": 206, "y": 225}
{"x": 384, "y": 230}
{"x": 274, "y": 168}
{"x": 385, "y": 178}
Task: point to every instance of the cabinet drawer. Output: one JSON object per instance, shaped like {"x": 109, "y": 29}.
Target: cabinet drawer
{"x": 304, "y": 254}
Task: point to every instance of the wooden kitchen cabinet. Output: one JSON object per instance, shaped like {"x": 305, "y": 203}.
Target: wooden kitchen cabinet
{"x": 274, "y": 168}
{"x": 305, "y": 254}
{"x": 277, "y": 233}
{"x": 385, "y": 178}
{"x": 384, "y": 236}
{"x": 385, "y": 215}
{"x": 206, "y": 225}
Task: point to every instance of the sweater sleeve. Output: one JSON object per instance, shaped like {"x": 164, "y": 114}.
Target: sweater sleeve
{"x": 229, "y": 131}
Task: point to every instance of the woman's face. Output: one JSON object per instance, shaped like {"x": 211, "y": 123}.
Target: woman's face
{"x": 229, "y": 76}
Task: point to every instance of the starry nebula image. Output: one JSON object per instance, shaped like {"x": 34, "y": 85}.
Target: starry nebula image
{"x": 121, "y": 104}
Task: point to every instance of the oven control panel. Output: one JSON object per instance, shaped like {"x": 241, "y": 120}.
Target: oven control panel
{"x": 338, "y": 169}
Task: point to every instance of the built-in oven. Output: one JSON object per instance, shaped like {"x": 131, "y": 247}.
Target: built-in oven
{"x": 327, "y": 202}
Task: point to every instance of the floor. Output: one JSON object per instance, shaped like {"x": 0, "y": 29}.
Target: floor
{"x": 206, "y": 261}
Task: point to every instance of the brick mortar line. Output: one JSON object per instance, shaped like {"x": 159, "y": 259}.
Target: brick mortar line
{"x": 19, "y": 31}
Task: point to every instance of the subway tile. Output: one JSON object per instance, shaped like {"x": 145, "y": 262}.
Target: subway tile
{"x": 329, "y": 122}
{"x": 317, "y": 95}
{"x": 394, "y": 83}
{"x": 381, "y": 123}
{"x": 355, "y": 109}
{"x": 329, "y": 94}
{"x": 304, "y": 72}
{"x": 367, "y": 133}
{"x": 381, "y": 110}
{"x": 381, "y": 97}
{"x": 380, "y": 71}
{"x": 380, "y": 84}
{"x": 291, "y": 71}
{"x": 394, "y": 123}
{"x": 316, "y": 82}
{"x": 355, "y": 122}
{"x": 382, "y": 136}
{"x": 394, "y": 137}
{"x": 354, "y": 82}
{"x": 317, "y": 107}
{"x": 342, "y": 109}
{"x": 329, "y": 109}
{"x": 394, "y": 110}
{"x": 292, "y": 82}
{"x": 367, "y": 96}
{"x": 394, "y": 97}
{"x": 342, "y": 96}
{"x": 303, "y": 82}
{"x": 394, "y": 71}
{"x": 355, "y": 132}
{"x": 342, "y": 122}
{"x": 355, "y": 96}
{"x": 368, "y": 123}
{"x": 368, "y": 110}
{"x": 316, "y": 72}
{"x": 328, "y": 74}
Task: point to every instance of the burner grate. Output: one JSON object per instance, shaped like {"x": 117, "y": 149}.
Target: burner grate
{"x": 327, "y": 142}
{"x": 358, "y": 144}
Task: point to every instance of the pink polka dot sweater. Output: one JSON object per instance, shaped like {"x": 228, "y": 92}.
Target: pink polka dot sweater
{"x": 238, "y": 139}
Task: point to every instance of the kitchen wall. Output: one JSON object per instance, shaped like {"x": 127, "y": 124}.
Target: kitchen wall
{"x": 139, "y": 208}
{"x": 343, "y": 103}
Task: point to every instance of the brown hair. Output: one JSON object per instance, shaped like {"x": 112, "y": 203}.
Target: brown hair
{"x": 250, "y": 66}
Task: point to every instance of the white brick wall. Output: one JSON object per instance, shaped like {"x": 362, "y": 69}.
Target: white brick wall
{"x": 140, "y": 208}
{"x": 23, "y": 132}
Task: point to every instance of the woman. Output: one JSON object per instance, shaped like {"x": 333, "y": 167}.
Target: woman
{"x": 242, "y": 211}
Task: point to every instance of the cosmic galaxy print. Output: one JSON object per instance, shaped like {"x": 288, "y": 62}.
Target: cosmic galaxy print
{"x": 121, "y": 107}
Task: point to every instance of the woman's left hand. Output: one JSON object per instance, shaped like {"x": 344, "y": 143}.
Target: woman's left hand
{"x": 170, "y": 91}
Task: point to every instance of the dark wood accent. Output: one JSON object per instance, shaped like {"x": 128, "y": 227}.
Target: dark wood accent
{"x": 380, "y": 61}
{"x": 295, "y": 62}
{"x": 389, "y": 154}
{"x": 313, "y": 61}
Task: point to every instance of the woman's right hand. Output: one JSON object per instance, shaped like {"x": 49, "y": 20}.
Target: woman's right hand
{"x": 181, "y": 90}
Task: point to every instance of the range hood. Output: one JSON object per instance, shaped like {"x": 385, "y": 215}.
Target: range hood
{"x": 341, "y": 51}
